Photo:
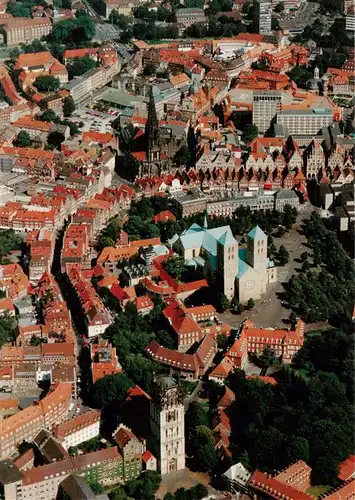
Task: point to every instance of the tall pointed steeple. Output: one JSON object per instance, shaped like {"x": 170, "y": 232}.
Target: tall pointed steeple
{"x": 205, "y": 225}
{"x": 152, "y": 127}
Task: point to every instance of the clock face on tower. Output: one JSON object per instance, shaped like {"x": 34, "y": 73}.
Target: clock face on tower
{"x": 250, "y": 285}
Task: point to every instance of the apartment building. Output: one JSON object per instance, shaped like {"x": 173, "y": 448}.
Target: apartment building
{"x": 350, "y": 19}
{"x": 104, "y": 466}
{"x": 264, "y": 13}
{"x": 266, "y": 105}
{"x": 79, "y": 429}
{"x": 190, "y": 16}
{"x": 82, "y": 87}
{"x": 24, "y": 30}
{"x": 25, "y": 425}
{"x": 305, "y": 121}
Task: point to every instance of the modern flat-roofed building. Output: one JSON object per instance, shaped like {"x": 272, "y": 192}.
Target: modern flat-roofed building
{"x": 192, "y": 202}
{"x": 264, "y": 10}
{"x": 305, "y": 121}
{"x": 266, "y": 105}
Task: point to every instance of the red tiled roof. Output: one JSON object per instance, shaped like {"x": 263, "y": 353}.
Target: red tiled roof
{"x": 276, "y": 489}
{"x": 347, "y": 468}
{"x": 147, "y": 456}
{"x": 77, "y": 423}
{"x": 345, "y": 492}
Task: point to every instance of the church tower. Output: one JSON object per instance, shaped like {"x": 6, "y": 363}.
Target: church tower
{"x": 227, "y": 262}
{"x": 257, "y": 249}
{"x": 168, "y": 425}
{"x": 152, "y": 133}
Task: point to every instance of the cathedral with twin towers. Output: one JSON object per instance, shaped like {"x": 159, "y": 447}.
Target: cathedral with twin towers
{"x": 245, "y": 272}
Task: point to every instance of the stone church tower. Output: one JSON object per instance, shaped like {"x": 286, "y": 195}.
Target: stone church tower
{"x": 257, "y": 249}
{"x": 227, "y": 262}
{"x": 152, "y": 136}
{"x": 168, "y": 425}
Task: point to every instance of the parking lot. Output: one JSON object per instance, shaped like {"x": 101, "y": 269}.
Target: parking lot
{"x": 94, "y": 120}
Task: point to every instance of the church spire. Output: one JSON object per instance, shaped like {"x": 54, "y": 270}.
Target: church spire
{"x": 152, "y": 126}
{"x": 205, "y": 225}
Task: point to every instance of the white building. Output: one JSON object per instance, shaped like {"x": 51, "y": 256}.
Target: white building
{"x": 350, "y": 19}
{"x": 264, "y": 8}
{"x": 167, "y": 425}
{"x": 79, "y": 429}
{"x": 266, "y": 104}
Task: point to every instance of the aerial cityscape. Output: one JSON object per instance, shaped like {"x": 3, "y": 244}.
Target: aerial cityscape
{"x": 177, "y": 227}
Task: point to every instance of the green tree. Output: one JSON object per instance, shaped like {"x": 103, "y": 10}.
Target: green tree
{"x": 144, "y": 487}
{"x": 304, "y": 256}
{"x": 19, "y": 9}
{"x": 22, "y": 140}
{"x": 275, "y": 24}
{"x": 96, "y": 487}
{"x": 68, "y": 106}
{"x": 249, "y": 133}
{"x": 149, "y": 69}
{"x": 300, "y": 75}
{"x": 46, "y": 83}
{"x": 49, "y": 116}
{"x": 9, "y": 241}
{"x": 298, "y": 449}
{"x": 205, "y": 456}
{"x": 280, "y": 7}
{"x": 184, "y": 156}
{"x": 73, "y": 31}
{"x": 79, "y": 66}
{"x": 224, "y": 303}
{"x": 268, "y": 357}
{"x": 175, "y": 266}
{"x": 111, "y": 388}
{"x": 251, "y": 303}
{"x": 283, "y": 256}
{"x": 55, "y": 138}
{"x": 199, "y": 491}
{"x": 7, "y": 329}
{"x": 293, "y": 320}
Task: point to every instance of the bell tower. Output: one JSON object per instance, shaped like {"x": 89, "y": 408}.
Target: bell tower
{"x": 168, "y": 425}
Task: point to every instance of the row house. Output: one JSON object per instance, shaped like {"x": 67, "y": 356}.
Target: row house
{"x": 25, "y": 425}
{"x": 314, "y": 159}
{"x": 27, "y": 218}
{"x": 79, "y": 429}
{"x": 13, "y": 281}
{"x": 76, "y": 245}
{"x": 26, "y": 333}
{"x": 104, "y": 360}
{"x": 40, "y": 250}
{"x": 97, "y": 318}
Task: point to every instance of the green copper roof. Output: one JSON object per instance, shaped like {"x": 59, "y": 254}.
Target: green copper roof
{"x": 257, "y": 234}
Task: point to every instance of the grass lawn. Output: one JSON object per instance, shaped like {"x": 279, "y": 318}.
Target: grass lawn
{"x": 188, "y": 386}
{"x": 317, "y": 490}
